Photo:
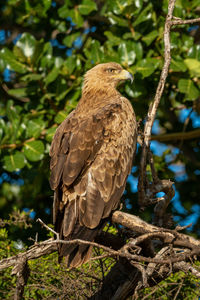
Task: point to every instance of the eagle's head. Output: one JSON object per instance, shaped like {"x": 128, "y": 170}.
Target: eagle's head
{"x": 104, "y": 76}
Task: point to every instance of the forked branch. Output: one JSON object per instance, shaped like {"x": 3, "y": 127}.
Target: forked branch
{"x": 170, "y": 21}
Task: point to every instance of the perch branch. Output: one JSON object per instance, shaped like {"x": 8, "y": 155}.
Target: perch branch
{"x": 141, "y": 227}
{"x": 36, "y": 251}
{"x": 30, "y": 254}
{"x": 130, "y": 221}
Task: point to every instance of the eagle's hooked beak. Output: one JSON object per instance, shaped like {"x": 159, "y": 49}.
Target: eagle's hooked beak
{"x": 125, "y": 75}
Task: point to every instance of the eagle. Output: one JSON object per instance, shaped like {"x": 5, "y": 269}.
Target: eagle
{"x": 91, "y": 156}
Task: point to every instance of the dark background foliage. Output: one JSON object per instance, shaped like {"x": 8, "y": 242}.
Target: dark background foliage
{"x": 46, "y": 47}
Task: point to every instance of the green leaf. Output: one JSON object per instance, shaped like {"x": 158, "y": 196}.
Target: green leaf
{"x": 47, "y": 60}
{"x": 21, "y": 92}
{"x": 52, "y": 75}
{"x": 34, "y": 150}
{"x": 87, "y": 7}
{"x": 74, "y": 14}
{"x": 27, "y": 44}
{"x": 2, "y": 128}
{"x": 69, "y": 64}
{"x": 31, "y": 77}
{"x": 148, "y": 39}
{"x": 125, "y": 7}
{"x": 50, "y": 133}
{"x": 136, "y": 89}
{"x": 117, "y": 6}
{"x": 11, "y": 61}
{"x": 2, "y": 65}
{"x": 176, "y": 42}
{"x": 63, "y": 11}
{"x": 145, "y": 15}
{"x": 126, "y": 54}
{"x": 194, "y": 52}
{"x": 46, "y": 4}
{"x": 113, "y": 39}
{"x": 187, "y": 41}
{"x": 18, "y": 53}
{"x": 147, "y": 66}
{"x": 38, "y": 52}
{"x": 177, "y": 65}
{"x": 69, "y": 39}
{"x": 34, "y": 128}
{"x": 193, "y": 65}
{"x": 129, "y": 35}
{"x": 11, "y": 111}
{"x": 95, "y": 52}
{"x": 60, "y": 117}
{"x": 137, "y": 48}
{"x": 14, "y": 162}
{"x": 187, "y": 87}
{"x": 119, "y": 21}
{"x": 77, "y": 18}
{"x": 58, "y": 61}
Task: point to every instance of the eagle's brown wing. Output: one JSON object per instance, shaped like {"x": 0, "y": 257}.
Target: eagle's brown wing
{"x": 90, "y": 162}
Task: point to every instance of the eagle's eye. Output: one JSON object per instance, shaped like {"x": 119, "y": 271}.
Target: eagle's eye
{"x": 111, "y": 70}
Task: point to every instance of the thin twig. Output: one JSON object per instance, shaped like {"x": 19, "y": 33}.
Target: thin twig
{"x": 182, "y": 22}
{"x": 178, "y": 290}
{"x": 122, "y": 253}
{"x": 48, "y": 228}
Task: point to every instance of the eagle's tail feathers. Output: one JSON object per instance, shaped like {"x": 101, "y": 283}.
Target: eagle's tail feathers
{"x": 75, "y": 254}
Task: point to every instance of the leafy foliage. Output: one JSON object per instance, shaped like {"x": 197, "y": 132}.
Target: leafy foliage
{"x": 47, "y": 47}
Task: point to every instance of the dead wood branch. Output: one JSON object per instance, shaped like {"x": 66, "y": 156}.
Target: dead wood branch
{"x": 143, "y": 184}
{"x": 142, "y": 267}
{"x": 132, "y": 222}
{"x": 34, "y": 252}
{"x": 141, "y": 227}
{"x": 21, "y": 270}
{"x": 153, "y": 108}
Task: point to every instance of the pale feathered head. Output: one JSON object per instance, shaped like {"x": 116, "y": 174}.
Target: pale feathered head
{"x": 106, "y": 75}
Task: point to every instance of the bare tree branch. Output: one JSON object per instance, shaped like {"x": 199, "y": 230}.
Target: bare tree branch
{"x": 177, "y": 21}
{"x": 34, "y": 252}
{"x": 21, "y": 270}
{"x": 170, "y": 137}
{"x": 153, "y": 108}
{"x": 132, "y": 222}
{"x": 141, "y": 227}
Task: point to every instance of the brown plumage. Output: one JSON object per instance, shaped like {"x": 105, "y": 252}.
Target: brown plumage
{"x": 91, "y": 157}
